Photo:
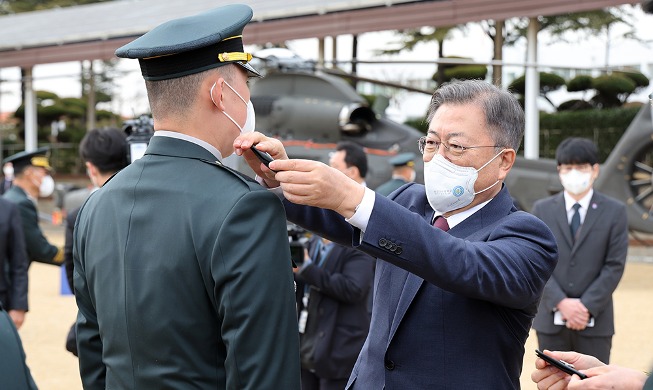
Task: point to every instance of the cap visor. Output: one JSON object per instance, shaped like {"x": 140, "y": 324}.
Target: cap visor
{"x": 251, "y": 72}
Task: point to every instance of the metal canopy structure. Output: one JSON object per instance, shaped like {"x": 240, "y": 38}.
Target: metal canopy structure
{"x": 95, "y": 31}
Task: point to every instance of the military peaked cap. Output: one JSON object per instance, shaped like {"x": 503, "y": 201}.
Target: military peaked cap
{"x": 403, "y": 159}
{"x": 37, "y": 158}
{"x": 193, "y": 44}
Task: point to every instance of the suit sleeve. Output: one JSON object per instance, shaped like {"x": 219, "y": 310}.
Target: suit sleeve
{"x": 89, "y": 345}
{"x": 18, "y": 262}
{"x": 507, "y": 263}
{"x": 38, "y": 247}
{"x": 599, "y": 293}
{"x": 350, "y": 285}
{"x": 553, "y": 293}
{"x": 255, "y": 295}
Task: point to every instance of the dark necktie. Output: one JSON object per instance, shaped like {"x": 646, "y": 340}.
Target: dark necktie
{"x": 441, "y": 223}
{"x": 575, "y": 221}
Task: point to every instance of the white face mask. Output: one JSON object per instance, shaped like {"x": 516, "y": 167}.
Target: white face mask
{"x": 47, "y": 186}
{"x": 250, "y": 122}
{"x": 8, "y": 171}
{"x": 449, "y": 186}
{"x": 576, "y": 182}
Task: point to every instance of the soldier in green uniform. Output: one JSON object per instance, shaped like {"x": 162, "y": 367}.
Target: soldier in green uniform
{"x": 403, "y": 171}
{"x": 183, "y": 276}
{"x": 32, "y": 180}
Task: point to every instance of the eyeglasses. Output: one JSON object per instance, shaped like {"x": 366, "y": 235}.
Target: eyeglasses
{"x": 431, "y": 146}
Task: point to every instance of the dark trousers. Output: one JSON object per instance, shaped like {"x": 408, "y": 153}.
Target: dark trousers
{"x": 572, "y": 340}
{"x": 310, "y": 381}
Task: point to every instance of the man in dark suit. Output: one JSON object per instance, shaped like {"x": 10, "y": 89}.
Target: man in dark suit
{"x": 13, "y": 263}
{"x": 334, "y": 284}
{"x": 32, "y": 180}
{"x": 403, "y": 171}
{"x": 454, "y": 304}
{"x": 576, "y": 312}
{"x": 182, "y": 266}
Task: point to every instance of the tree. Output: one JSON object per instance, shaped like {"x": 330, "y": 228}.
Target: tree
{"x": 411, "y": 38}
{"x": 549, "y": 82}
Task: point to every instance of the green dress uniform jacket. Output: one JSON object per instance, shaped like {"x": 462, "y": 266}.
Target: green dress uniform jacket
{"x": 38, "y": 247}
{"x": 183, "y": 278}
{"x": 386, "y": 188}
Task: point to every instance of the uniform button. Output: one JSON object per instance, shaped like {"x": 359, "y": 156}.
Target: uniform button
{"x": 399, "y": 250}
{"x": 389, "y": 365}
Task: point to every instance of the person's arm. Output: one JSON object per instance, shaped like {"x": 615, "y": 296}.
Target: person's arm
{"x": 350, "y": 285}
{"x": 68, "y": 246}
{"x": 18, "y": 266}
{"x": 89, "y": 345}
{"x": 255, "y": 295}
{"x": 599, "y": 292}
{"x": 38, "y": 247}
{"x": 609, "y": 377}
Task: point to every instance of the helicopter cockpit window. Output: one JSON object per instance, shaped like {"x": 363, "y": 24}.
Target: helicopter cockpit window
{"x": 356, "y": 119}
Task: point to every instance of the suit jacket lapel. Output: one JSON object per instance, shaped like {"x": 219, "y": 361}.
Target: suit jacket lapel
{"x": 593, "y": 214}
{"x": 560, "y": 213}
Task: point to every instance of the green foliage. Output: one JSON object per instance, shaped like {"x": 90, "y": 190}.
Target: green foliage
{"x": 574, "y": 105}
{"x": 466, "y": 72}
{"x": 579, "y": 83}
{"x": 613, "y": 84}
{"x": 548, "y": 82}
{"x": 638, "y": 78}
{"x": 605, "y": 127}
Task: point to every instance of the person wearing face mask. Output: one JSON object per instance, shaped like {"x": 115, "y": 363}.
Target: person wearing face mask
{"x": 33, "y": 181}
{"x": 182, "y": 270}
{"x": 403, "y": 171}
{"x": 576, "y": 312}
{"x": 459, "y": 270}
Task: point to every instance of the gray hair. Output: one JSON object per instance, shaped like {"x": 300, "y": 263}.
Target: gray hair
{"x": 175, "y": 97}
{"x": 503, "y": 114}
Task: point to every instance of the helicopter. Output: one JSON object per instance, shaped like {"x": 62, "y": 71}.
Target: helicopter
{"x": 311, "y": 109}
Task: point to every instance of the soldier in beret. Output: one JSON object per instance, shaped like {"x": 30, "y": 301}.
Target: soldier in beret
{"x": 32, "y": 181}
{"x": 183, "y": 276}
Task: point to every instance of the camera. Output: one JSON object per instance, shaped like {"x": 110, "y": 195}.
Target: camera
{"x": 297, "y": 238}
{"x": 139, "y": 131}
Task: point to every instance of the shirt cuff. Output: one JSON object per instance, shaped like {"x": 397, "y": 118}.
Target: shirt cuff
{"x": 363, "y": 212}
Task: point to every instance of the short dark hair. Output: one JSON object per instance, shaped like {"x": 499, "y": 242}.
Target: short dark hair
{"x": 354, "y": 156}
{"x": 575, "y": 150}
{"x": 105, "y": 148}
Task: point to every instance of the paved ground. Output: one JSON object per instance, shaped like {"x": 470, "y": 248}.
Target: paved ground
{"x": 51, "y": 315}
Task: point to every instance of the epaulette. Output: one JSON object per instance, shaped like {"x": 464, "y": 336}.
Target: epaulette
{"x": 219, "y": 164}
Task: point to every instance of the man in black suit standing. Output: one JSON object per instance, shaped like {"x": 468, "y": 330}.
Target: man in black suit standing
{"x": 13, "y": 263}
{"x": 591, "y": 229}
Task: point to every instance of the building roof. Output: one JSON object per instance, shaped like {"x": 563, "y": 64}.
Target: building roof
{"x": 94, "y": 31}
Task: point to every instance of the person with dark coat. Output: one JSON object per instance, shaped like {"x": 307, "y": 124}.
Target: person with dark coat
{"x": 459, "y": 270}
{"x": 13, "y": 263}
{"x": 334, "y": 284}
{"x": 182, "y": 269}
{"x": 576, "y": 312}
{"x": 32, "y": 180}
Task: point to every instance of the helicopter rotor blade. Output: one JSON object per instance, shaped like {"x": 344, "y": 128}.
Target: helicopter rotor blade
{"x": 375, "y": 81}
